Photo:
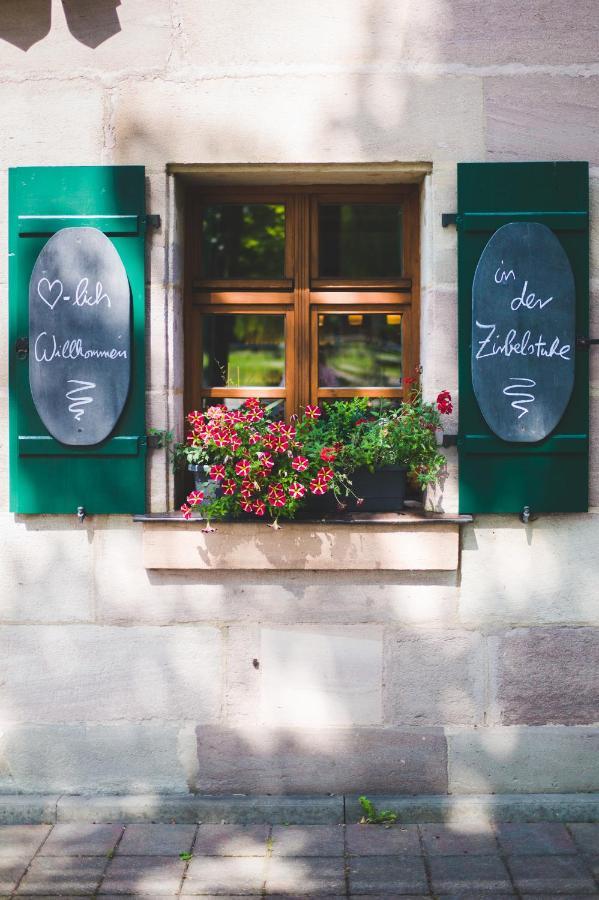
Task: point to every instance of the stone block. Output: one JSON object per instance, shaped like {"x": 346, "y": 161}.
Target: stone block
{"x": 368, "y": 840}
{"x": 103, "y": 673}
{"x": 218, "y": 875}
{"x": 63, "y": 876}
{"x": 303, "y": 546}
{"x": 551, "y": 875}
{"x": 433, "y": 677}
{"x": 156, "y": 840}
{"x": 12, "y": 869}
{"x": 68, "y": 123}
{"x": 542, "y": 117}
{"x": 21, "y": 840}
{"x": 76, "y": 758}
{"x": 550, "y": 759}
{"x": 231, "y": 840}
{"x": 144, "y": 875}
{"x": 312, "y": 875}
{"x": 82, "y": 840}
{"x": 517, "y": 839}
{"x": 317, "y": 677}
{"x": 594, "y": 237}
{"x": 549, "y": 560}
{"x": 37, "y": 551}
{"x": 387, "y": 875}
{"x": 335, "y": 760}
{"x": 27, "y": 808}
{"x": 78, "y": 39}
{"x": 407, "y": 117}
{"x": 458, "y": 874}
{"x": 461, "y": 840}
{"x": 547, "y": 676}
{"x": 444, "y": 251}
{"x": 311, "y": 840}
{"x": 586, "y": 835}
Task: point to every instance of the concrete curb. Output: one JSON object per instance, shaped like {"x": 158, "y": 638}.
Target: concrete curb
{"x": 304, "y": 810}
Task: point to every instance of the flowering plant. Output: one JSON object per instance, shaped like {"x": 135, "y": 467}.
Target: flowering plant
{"x": 404, "y": 435}
{"x": 262, "y": 467}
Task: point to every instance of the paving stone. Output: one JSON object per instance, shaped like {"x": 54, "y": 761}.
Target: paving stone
{"x": 447, "y": 840}
{"x": 81, "y": 840}
{"x": 324, "y": 840}
{"x": 212, "y": 875}
{"x": 150, "y": 874}
{"x": 387, "y": 874}
{"x": 456, "y": 874}
{"x": 11, "y": 869}
{"x": 534, "y": 837}
{"x": 17, "y": 840}
{"x": 313, "y": 876}
{"x": 231, "y": 840}
{"x": 156, "y": 840}
{"x": 477, "y": 895}
{"x": 372, "y": 840}
{"x": 586, "y": 835}
{"x": 556, "y": 896}
{"x": 553, "y": 874}
{"x": 60, "y": 875}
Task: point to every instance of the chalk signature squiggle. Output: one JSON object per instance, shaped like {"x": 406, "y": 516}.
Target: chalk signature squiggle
{"x": 76, "y": 407}
{"x": 521, "y": 395}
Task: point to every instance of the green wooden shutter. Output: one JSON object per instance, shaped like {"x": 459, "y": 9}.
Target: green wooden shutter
{"x": 552, "y": 475}
{"x": 45, "y": 475}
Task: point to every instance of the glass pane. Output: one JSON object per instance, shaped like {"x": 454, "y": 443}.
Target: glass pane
{"x": 244, "y": 350}
{"x": 359, "y": 350}
{"x": 243, "y": 240}
{"x": 275, "y": 409}
{"x": 359, "y": 240}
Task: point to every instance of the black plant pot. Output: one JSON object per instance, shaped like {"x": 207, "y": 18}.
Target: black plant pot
{"x": 383, "y": 490}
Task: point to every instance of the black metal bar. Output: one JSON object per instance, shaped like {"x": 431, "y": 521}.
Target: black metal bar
{"x": 153, "y": 220}
{"x": 22, "y": 347}
{"x": 585, "y": 343}
{"x": 450, "y": 440}
{"x": 449, "y": 219}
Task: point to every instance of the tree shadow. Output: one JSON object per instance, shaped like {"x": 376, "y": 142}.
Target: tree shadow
{"x": 24, "y": 25}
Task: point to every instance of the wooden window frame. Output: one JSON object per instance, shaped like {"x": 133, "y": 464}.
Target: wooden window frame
{"x": 301, "y": 294}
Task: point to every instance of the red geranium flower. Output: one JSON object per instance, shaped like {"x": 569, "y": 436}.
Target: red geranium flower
{"x": 296, "y": 490}
{"x": 217, "y": 473}
{"x": 312, "y": 412}
{"x": 243, "y": 467}
{"x": 300, "y": 463}
{"x": 229, "y": 486}
{"x": 444, "y": 404}
{"x": 328, "y": 454}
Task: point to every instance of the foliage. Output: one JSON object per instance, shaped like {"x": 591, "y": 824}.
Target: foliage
{"x": 372, "y": 816}
{"x": 404, "y": 435}
{"x": 262, "y": 467}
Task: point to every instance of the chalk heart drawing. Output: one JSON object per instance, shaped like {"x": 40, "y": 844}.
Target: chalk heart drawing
{"x": 50, "y": 291}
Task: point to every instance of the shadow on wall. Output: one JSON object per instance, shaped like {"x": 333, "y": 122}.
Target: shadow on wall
{"x": 91, "y": 22}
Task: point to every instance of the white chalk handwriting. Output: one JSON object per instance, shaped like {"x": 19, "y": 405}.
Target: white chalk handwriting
{"x": 77, "y": 406}
{"x": 520, "y": 390}
{"x": 47, "y": 348}
{"x": 514, "y": 344}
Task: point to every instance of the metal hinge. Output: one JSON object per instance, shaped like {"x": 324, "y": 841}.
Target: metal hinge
{"x": 449, "y": 219}
{"x": 153, "y": 221}
{"x": 22, "y": 347}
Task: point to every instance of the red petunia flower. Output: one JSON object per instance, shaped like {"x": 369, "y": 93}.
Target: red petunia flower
{"x": 410, "y": 379}
{"x": 312, "y": 412}
{"x": 195, "y": 497}
{"x": 217, "y": 473}
{"x": 318, "y": 486}
{"x": 259, "y": 507}
{"x": 243, "y": 467}
{"x": 288, "y": 432}
{"x": 246, "y": 505}
{"x": 229, "y": 486}
{"x": 325, "y": 474}
{"x": 266, "y": 460}
{"x": 300, "y": 463}
{"x": 186, "y": 510}
{"x": 251, "y": 402}
{"x": 196, "y": 418}
{"x": 253, "y": 438}
{"x": 296, "y": 490}
{"x": 220, "y": 438}
{"x": 235, "y": 442}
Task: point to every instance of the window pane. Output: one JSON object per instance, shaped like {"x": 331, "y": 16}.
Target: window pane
{"x": 243, "y": 350}
{"x": 275, "y": 409}
{"x": 243, "y": 240}
{"x": 359, "y": 350}
{"x": 359, "y": 240}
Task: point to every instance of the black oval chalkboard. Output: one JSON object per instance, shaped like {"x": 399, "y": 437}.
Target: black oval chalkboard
{"x": 79, "y": 336}
{"x": 523, "y": 332}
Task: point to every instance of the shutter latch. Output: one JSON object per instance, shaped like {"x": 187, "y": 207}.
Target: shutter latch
{"x": 449, "y": 219}
{"x": 584, "y": 343}
{"x": 22, "y": 347}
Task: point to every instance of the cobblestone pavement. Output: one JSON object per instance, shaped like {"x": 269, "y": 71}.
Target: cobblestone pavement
{"x": 547, "y": 860}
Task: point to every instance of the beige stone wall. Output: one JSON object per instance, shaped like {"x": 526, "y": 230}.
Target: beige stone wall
{"x": 118, "y": 678}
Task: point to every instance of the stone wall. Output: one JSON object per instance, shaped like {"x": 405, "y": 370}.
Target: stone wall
{"x": 114, "y": 678}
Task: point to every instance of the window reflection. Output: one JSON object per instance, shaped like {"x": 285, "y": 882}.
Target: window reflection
{"x": 243, "y": 350}
{"x": 359, "y": 350}
{"x": 243, "y": 240}
{"x": 359, "y": 240}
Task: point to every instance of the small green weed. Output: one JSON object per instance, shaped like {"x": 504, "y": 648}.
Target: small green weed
{"x": 373, "y": 816}
{"x": 185, "y": 856}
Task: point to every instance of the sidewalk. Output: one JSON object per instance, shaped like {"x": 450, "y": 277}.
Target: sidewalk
{"x": 405, "y": 861}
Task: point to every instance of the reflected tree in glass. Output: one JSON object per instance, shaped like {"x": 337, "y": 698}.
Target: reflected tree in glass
{"x": 244, "y": 350}
{"x": 243, "y": 240}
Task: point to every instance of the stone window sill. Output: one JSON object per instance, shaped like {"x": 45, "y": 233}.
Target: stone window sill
{"x": 408, "y": 541}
